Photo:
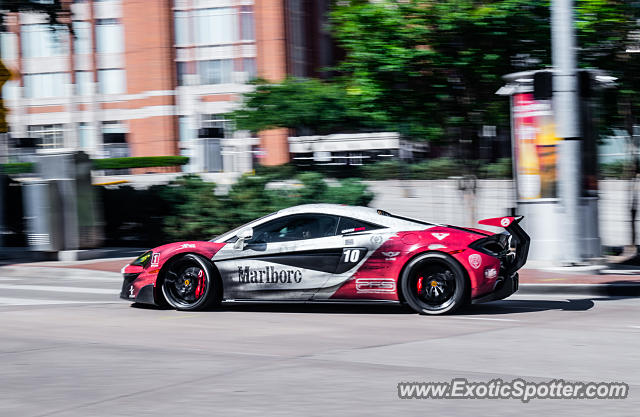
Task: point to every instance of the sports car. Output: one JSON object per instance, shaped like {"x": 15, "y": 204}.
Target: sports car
{"x": 329, "y": 252}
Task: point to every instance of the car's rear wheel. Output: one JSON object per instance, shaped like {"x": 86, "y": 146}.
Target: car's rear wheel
{"x": 190, "y": 284}
{"x": 434, "y": 283}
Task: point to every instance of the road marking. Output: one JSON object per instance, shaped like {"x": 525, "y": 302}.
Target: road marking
{"x": 483, "y": 318}
{"x": 52, "y": 288}
{"x": 7, "y": 301}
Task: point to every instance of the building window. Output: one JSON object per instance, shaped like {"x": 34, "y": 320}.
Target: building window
{"x": 49, "y": 136}
{"x": 114, "y": 139}
{"x": 246, "y": 23}
{"x": 112, "y": 81}
{"x": 39, "y": 41}
{"x": 249, "y": 66}
{"x": 81, "y": 37}
{"x": 217, "y": 71}
{"x": 45, "y": 85}
{"x": 215, "y": 26}
{"x": 109, "y": 36}
{"x": 182, "y": 28}
{"x": 218, "y": 121}
{"x": 8, "y": 42}
{"x": 84, "y": 79}
{"x": 85, "y": 138}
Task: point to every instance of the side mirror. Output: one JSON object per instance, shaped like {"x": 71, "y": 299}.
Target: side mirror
{"x": 243, "y": 236}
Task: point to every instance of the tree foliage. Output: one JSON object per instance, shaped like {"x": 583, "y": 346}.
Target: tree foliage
{"x": 308, "y": 105}
{"x": 430, "y": 69}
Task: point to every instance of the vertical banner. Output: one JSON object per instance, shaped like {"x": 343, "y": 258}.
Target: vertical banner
{"x": 535, "y": 146}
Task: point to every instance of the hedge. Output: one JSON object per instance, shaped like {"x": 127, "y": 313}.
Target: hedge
{"x": 17, "y": 168}
{"x": 139, "y": 162}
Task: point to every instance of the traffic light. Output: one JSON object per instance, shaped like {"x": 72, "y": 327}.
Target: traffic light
{"x": 585, "y": 83}
{"x": 542, "y": 85}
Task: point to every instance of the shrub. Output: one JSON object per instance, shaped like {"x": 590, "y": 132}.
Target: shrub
{"x": 382, "y": 170}
{"x": 17, "y": 168}
{"x": 197, "y": 213}
{"x": 614, "y": 170}
{"x": 500, "y": 169}
{"x": 433, "y": 169}
{"x": 139, "y": 162}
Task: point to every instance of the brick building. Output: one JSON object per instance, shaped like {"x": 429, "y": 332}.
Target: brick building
{"x": 154, "y": 77}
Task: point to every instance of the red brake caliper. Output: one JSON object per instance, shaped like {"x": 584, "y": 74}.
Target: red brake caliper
{"x": 200, "y": 287}
{"x": 420, "y": 285}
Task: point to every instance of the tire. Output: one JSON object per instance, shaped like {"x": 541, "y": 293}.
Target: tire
{"x": 433, "y": 284}
{"x": 190, "y": 284}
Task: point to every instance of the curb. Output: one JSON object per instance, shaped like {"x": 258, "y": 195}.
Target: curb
{"x": 617, "y": 289}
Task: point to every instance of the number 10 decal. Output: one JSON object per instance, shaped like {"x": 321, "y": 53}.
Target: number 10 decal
{"x": 351, "y": 255}
{"x": 350, "y": 258}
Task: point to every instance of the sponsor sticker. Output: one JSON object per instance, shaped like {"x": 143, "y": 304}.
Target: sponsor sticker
{"x": 375, "y": 285}
{"x": 490, "y": 273}
{"x": 439, "y": 236}
{"x": 505, "y": 222}
{"x": 155, "y": 259}
{"x": 390, "y": 256}
{"x": 188, "y": 246}
{"x": 354, "y": 229}
{"x": 475, "y": 260}
{"x": 268, "y": 275}
{"x": 376, "y": 239}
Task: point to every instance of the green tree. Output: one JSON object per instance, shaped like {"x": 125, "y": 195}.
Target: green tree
{"x": 310, "y": 106}
{"x": 430, "y": 69}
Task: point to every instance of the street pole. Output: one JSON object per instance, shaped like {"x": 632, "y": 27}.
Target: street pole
{"x": 566, "y": 109}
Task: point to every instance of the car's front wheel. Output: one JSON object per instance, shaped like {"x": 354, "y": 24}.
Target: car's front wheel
{"x": 434, "y": 283}
{"x": 190, "y": 284}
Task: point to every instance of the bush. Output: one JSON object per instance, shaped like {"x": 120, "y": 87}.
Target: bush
{"x": 139, "y": 162}
{"x": 382, "y": 170}
{"x": 435, "y": 169}
{"x": 197, "y": 213}
{"x": 17, "y": 168}
{"x": 500, "y": 169}
{"x": 615, "y": 170}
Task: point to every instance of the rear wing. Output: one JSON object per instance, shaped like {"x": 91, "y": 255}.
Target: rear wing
{"x": 519, "y": 238}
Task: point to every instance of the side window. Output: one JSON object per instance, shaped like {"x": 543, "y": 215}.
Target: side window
{"x": 295, "y": 227}
{"x": 348, "y": 225}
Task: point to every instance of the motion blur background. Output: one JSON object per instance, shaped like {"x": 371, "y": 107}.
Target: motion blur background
{"x": 132, "y": 123}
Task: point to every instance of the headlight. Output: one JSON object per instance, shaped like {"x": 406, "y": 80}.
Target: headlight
{"x": 143, "y": 260}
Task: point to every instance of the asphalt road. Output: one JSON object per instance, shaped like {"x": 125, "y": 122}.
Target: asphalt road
{"x": 69, "y": 347}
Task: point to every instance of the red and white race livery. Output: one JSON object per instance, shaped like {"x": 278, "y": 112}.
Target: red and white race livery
{"x": 328, "y": 252}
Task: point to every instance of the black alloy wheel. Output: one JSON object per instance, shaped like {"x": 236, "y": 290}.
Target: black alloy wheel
{"x": 189, "y": 283}
{"x": 434, "y": 283}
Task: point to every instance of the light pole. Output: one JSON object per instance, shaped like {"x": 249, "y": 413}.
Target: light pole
{"x": 566, "y": 109}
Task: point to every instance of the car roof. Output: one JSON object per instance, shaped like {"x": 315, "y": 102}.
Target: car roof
{"x": 356, "y": 212}
{"x": 366, "y": 214}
